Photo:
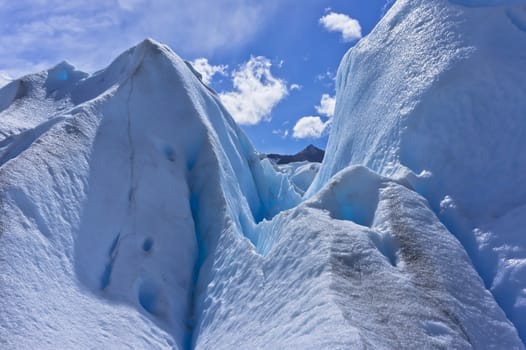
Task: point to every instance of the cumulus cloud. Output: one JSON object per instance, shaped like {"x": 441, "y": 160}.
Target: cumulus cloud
{"x": 327, "y": 105}
{"x": 309, "y": 127}
{"x": 207, "y": 70}
{"x": 256, "y": 92}
{"x": 347, "y": 26}
{"x": 314, "y": 126}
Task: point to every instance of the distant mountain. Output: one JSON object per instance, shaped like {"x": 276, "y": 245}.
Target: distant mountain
{"x": 311, "y": 153}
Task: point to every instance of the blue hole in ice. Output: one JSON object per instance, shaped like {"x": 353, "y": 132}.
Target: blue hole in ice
{"x": 169, "y": 153}
{"x": 106, "y": 275}
{"x": 148, "y": 297}
{"x": 147, "y": 245}
{"x": 105, "y": 280}
{"x": 62, "y": 75}
{"x": 114, "y": 245}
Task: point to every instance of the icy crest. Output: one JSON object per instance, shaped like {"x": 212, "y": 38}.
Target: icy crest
{"x": 446, "y": 102}
{"x": 124, "y": 166}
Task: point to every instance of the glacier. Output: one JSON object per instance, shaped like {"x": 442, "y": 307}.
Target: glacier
{"x": 446, "y": 112}
{"x": 4, "y": 79}
{"x": 135, "y": 213}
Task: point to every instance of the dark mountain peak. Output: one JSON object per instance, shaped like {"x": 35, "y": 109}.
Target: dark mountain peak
{"x": 310, "y": 153}
{"x": 311, "y": 149}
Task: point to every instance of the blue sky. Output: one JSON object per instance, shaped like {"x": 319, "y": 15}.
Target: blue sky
{"x": 274, "y": 60}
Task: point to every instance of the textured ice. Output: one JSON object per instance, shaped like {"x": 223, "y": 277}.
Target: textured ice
{"x": 4, "y": 79}
{"x": 488, "y": 3}
{"x": 134, "y": 213}
{"x": 301, "y": 174}
{"x": 445, "y": 109}
{"x": 102, "y": 201}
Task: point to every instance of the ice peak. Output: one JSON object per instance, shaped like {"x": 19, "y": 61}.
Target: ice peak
{"x": 66, "y": 71}
{"x": 149, "y": 46}
{"x": 63, "y": 77}
{"x": 156, "y": 58}
{"x": 64, "y": 65}
{"x": 148, "y": 51}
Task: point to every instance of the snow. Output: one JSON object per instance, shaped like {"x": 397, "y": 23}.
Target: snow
{"x": 484, "y": 3}
{"x": 300, "y": 174}
{"x": 31, "y": 100}
{"x": 4, "y": 79}
{"x": 444, "y": 112}
{"x": 370, "y": 271}
{"x": 107, "y": 213}
{"x": 135, "y": 213}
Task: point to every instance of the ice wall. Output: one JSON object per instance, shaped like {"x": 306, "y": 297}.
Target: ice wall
{"x": 436, "y": 95}
{"x": 115, "y": 189}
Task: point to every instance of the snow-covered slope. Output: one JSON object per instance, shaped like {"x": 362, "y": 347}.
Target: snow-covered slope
{"x": 436, "y": 94}
{"x": 4, "y": 79}
{"x": 102, "y": 183}
{"x": 370, "y": 256}
{"x": 134, "y": 213}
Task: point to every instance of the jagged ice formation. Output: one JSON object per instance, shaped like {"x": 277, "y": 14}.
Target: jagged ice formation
{"x": 135, "y": 213}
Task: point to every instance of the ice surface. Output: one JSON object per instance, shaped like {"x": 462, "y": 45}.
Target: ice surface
{"x": 445, "y": 109}
{"x": 134, "y": 213}
{"x": 31, "y": 100}
{"x": 301, "y": 174}
{"x": 4, "y": 79}
{"x": 101, "y": 200}
{"x": 487, "y": 3}
{"x": 321, "y": 280}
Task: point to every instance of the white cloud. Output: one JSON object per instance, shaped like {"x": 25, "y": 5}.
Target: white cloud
{"x": 327, "y": 105}
{"x": 295, "y": 87}
{"x": 313, "y": 126}
{"x": 347, "y": 26}
{"x": 207, "y": 70}
{"x": 256, "y": 92}
{"x": 309, "y": 127}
